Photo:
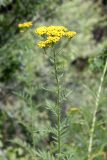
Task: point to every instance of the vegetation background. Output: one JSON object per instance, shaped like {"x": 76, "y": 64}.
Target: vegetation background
{"x": 25, "y": 76}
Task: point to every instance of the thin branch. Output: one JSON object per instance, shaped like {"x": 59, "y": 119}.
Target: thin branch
{"x": 95, "y": 112}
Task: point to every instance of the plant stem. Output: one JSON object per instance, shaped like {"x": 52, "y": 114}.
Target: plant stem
{"x": 32, "y": 120}
{"x": 57, "y": 104}
{"x": 95, "y": 112}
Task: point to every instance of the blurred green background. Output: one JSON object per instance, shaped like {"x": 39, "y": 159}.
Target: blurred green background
{"x": 24, "y": 70}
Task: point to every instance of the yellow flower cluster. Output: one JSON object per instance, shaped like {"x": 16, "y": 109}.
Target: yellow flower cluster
{"x": 25, "y": 25}
{"x": 70, "y": 34}
{"x": 48, "y": 42}
{"x": 53, "y": 34}
{"x": 41, "y": 30}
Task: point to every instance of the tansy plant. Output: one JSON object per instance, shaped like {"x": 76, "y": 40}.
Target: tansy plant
{"x": 51, "y": 35}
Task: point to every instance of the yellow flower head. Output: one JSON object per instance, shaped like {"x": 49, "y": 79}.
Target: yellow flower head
{"x": 41, "y": 30}
{"x": 53, "y": 39}
{"x": 56, "y": 31}
{"x": 25, "y": 25}
{"x": 42, "y": 44}
{"x": 53, "y": 34}
{"x": 70, "y": 34}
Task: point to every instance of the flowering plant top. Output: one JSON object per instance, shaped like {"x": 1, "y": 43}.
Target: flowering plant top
{"x": 25, "y": 25}
{"x": 53, "y": 35}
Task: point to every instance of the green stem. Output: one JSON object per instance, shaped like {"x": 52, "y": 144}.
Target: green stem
{"x": 32, "y": 121}
{"x": 95, "y": 112}
{"x": 58, "y": 104}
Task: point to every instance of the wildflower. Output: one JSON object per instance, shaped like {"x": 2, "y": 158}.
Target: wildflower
{"x": 25, "y": 24}
{"x": 53, "y": 39}
{"x": 42, "y": 44}
{"x": 53, "y": 34}
{"x": 56, "y": 31}
{"x": 41, "y": 30}
{"x": 70, "y": 34}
